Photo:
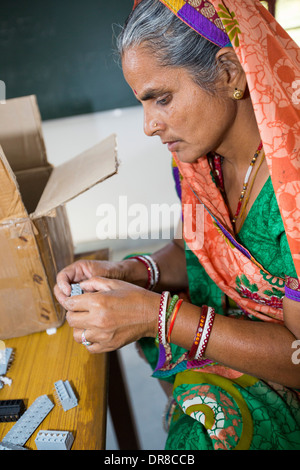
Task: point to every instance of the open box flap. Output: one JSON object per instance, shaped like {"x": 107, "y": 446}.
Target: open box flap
{"x": 78, "y": 175}
{"x": 11, "y": 205}
{"x": 21, "y": 134}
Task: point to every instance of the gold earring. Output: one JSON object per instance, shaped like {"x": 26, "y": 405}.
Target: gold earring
{"x": 155, "y": 124}
{"x": 238, "y": 94}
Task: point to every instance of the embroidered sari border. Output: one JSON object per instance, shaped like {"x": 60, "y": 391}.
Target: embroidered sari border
{"x": 203, "y": 26}
{"x": 232, "y": 240}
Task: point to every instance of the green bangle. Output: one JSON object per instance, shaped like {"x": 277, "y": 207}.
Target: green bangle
{"x": 173, "y": 302}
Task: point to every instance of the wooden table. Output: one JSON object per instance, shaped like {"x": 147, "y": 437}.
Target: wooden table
{"x": 97, "y": 380}
{"x": 40, "y": 361}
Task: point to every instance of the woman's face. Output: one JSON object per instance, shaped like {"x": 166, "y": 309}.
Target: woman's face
{"x": 185, "y": 117}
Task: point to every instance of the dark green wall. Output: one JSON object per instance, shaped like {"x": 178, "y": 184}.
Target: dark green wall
{"x": 62, "y": 51}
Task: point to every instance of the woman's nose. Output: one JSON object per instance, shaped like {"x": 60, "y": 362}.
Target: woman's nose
{"x": 151, "y": 125}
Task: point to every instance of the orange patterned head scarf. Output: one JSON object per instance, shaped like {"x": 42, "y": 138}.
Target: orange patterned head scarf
{"x": 271, "y": 61}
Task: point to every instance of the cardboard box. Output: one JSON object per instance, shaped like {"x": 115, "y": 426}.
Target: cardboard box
{"x": 35, "y": 238}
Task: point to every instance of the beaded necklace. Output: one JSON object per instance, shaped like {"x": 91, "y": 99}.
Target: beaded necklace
{"x": 218, "y": 170}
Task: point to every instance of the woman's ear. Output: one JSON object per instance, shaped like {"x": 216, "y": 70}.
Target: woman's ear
{"x": 232, "y": 76}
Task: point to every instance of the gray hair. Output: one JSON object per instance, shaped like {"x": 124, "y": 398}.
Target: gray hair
{"x": 171, "y": 41}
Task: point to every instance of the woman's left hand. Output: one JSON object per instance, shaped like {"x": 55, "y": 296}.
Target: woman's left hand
{"x": 112, "y": 313}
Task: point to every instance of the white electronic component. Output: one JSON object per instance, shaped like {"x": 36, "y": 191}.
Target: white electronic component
{"x": 76, "y": 289}
{"x": 65, "y": 395}
{"x": 54, "y": 440}
{"x": 29, "y": 421}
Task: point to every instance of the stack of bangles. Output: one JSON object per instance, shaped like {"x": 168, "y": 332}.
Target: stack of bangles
{"x": 152, "y": 268}
{"x": 166, "y": 319}
{"x": 168, "y": 313}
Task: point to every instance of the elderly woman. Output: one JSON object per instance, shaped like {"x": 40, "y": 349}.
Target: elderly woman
{"x": 216, "y": 81}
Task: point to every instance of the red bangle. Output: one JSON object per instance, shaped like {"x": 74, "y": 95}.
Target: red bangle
{"x": 199, "y": 332}
{"x": 149, "y": 269}
{"x": 173, "y": 318}
{"x": 206, "y": 333}
{"x": 161, "y": 333}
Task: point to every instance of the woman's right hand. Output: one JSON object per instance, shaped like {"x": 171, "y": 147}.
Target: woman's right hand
{"x": 129, "y": 270}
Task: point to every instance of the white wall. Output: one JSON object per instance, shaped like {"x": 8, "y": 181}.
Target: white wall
{"x": 144, "y": 174}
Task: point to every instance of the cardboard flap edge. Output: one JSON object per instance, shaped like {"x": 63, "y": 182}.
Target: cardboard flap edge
{"x": 12, "y": 204}
{"x": 78, "y": 175}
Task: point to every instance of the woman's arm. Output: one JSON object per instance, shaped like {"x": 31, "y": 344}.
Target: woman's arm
{"x": 116, "y": 313}
{"x": 120, "y": 313}
{"x": 170, "y": 259}
{"x": 291, "y": 310}
{"x": 172, "y": 265}
{"x": 260, "y": 349}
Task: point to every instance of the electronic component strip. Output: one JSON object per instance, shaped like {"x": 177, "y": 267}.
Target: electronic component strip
{"x": 8, "y": 358}
{"x": 9, "y": 446}
{"x": 29, "y": 421}
{"x": 54, "y": 440}
{"x": 76, "y": 289}
{"x": 65, "y": 395}
{"x": 11, "y": 410}
{"x": 2, "y": 352}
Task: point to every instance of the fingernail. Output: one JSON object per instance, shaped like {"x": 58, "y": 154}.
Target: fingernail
{"x": 64, "y": 288}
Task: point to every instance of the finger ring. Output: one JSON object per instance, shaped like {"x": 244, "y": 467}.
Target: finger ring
{"x": 84, "y": 340}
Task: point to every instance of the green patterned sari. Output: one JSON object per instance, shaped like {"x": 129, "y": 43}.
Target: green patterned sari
{"x": 235, "y": 411}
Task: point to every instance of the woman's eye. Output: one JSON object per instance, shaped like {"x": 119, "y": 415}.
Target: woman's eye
{"x": 164, "y": 101}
